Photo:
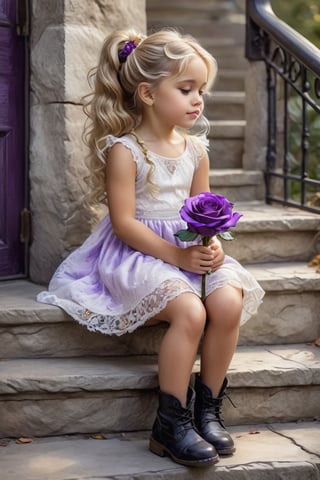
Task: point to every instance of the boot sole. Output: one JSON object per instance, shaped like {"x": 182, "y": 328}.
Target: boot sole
{"x": 226, "y": 451}
{"x": 162, "y": 451}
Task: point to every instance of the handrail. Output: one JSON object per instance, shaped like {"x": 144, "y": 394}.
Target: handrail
{"x": 262, "y": 14}
{"x": 293, "y": 106}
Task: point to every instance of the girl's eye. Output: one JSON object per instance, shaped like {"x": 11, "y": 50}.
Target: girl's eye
{"x": 185, "y": 91}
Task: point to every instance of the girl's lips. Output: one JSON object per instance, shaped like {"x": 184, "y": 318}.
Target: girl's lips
{"x": 194, "y": 114}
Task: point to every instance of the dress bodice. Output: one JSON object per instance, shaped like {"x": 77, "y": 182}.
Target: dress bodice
{"x": 172, "y": 176}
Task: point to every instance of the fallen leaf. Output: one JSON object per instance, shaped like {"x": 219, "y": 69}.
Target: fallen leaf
{"x": 24, "y": 440}
{"x": 98, "y": 436}
{"x": 4, "y": 443}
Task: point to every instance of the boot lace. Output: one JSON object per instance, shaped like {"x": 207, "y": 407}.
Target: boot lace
{"x": 186, "y": 420}
{"x": 213, "y": 409}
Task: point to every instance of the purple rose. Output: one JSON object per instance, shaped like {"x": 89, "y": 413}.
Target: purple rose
{"x": 208, "y": 214}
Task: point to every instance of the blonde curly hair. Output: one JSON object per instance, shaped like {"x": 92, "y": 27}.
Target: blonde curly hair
{"x": 114, "y": 108}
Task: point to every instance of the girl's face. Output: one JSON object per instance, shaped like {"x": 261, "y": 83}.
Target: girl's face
{"x": 177, "y": 100}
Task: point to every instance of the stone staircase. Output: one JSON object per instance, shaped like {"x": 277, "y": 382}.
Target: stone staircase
{"x": 62, "y": 385}
{"x": 219, "y": 26}
{"x": 88, "y": 401}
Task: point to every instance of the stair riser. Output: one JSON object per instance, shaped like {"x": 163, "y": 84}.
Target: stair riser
{"x": 283, "y": 318}
{"x": 225, "y": 152}
{"x": 239, "y": 193}
{"x": 70, "y": 339}
{"x": 224, "y": 110}
{"x": 57, "y": 414}
{"x": 266, "y": 405}
{"x": 232, "y": 82}
{"x": 271, "y": 246}
{"x": 200, "y": 29}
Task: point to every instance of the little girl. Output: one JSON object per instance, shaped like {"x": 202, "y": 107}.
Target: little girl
{"x": 133, "y": 270}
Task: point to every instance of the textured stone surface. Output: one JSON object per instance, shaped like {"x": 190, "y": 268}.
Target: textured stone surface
{"x": 226, "y": 143}
{"x": 301, "y": 364}
{"x": 47, "y": 66}
{"x": 289, "y": 314}
{"x": 237, "y": 185}
{"x": 119, "y": 394}
{"x": 265, "y": 405}
{"x": 226, "y": 153}
{"x": 273, "y": 234}
{"x": 65, "y": 43}
{"x": 82, "y": 48}
{"x": 266, "y": 453}
{"x": 258, "y": 216}
{"x": 284, "y": 318}
{"x": 256, "y": 112}
{"x": 107, "y": 15}
{"x": 258, "y": 247}
{"x": 60, "y": 221}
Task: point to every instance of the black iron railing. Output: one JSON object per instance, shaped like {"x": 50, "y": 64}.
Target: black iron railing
{"x": 293, "y": 81}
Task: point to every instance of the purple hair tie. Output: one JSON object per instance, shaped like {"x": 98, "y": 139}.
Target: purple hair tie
{"x": 126, "y": 50}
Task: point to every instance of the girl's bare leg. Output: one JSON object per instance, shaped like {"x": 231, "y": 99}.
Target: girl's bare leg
{"x": 173, "y": 432}
{"x": 186, "y": 316}
{"x": 224, "y": 308}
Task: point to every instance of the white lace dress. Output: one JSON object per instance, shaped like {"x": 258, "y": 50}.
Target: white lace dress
{"x": 110, "y": 287}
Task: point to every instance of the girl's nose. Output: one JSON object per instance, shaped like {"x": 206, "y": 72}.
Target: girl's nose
{"x": 197, "y": 100}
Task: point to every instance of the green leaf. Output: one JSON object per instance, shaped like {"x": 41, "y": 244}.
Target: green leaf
{"x": 226, "y": 236}
{"x": 186, "y": 235}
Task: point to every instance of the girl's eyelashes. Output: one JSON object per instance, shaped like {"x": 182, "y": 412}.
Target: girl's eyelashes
{"x": 185, "y": 91}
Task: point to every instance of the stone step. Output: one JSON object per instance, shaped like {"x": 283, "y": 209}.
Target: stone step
{"x": 227, "y": 55}
{"x": 226, "y": 140}
{"x": 288, "y": 451}
{"x": 273, "y": 233}
{"x": 225, "y": 105}
{"x": 199, "y": 26}
{"x": 238, "y": 185}
{"x": 288, "y": 314}
{"x": 40, "y": 397}
{"x": 189, "y": 5}
{"x": 230, "y": 80}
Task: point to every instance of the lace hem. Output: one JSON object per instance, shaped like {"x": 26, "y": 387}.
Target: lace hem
{"x": 125, "y": 322}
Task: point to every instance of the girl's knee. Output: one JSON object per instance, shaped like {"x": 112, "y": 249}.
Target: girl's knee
{"x": 224, "y": 307}
{"x": 191, "y": 315}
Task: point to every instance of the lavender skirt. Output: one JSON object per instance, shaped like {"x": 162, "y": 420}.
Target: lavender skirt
{"x": 111, "y": 288}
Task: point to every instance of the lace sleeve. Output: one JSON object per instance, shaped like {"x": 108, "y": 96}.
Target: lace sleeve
{"x": 199, "y": 146}
{"x": 127, "y": 142}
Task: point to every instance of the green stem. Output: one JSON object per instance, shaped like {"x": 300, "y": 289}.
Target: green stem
{"x": 205, "y": 242}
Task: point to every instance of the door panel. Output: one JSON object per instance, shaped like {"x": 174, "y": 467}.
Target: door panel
{"x": 12, "y": 141}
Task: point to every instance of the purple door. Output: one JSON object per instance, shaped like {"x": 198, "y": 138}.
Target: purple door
{"x": 12, "y": 141}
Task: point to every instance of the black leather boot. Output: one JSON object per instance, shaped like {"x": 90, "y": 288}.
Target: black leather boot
{"x": 174, "y": 433}
{"x": 208, "y": 419}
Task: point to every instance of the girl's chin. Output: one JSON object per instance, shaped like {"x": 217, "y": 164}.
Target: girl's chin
{"x": 187, "y": 124}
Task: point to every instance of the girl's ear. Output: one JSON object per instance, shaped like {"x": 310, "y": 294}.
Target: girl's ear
{"x": 145, "y": 93}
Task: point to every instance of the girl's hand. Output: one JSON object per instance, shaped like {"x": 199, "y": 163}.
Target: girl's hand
{"x": 200, "y": 259}
{"x": 196, "y": 259}
{"x": 216, "y": 248}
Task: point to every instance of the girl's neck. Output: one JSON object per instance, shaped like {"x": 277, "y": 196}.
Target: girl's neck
{"x": 170, "y": 145}
{"x": 150, "y": 135}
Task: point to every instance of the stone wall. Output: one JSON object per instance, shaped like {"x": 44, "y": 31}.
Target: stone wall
{"x": 65, "y": 41}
